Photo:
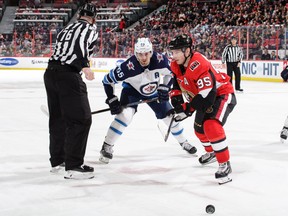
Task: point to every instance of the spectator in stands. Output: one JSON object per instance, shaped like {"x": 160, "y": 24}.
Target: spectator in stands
{"x": 274, "y": 56}
{"x": 2, "y": 39}
{"x": 122, "y": 25}
{"x": 266, "y": 55}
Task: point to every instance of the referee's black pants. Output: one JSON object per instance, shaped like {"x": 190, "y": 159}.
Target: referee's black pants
{"x": 70, "y": 115}
{"x": 232, "y": 67}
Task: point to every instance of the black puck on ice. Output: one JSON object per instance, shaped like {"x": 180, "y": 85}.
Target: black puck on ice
{"x": 210, "y": 209}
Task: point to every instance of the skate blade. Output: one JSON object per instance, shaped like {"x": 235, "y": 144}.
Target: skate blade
{"x": 193, "y": 155}
{"x": 224, "y": 180}
{"x": 103, "y": 159}
{"x": 79, "y": 176}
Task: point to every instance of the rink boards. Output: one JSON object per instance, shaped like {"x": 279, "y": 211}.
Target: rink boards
{"x": 251, "y": 70}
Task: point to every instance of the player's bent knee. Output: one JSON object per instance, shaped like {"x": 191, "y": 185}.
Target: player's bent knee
{"x": 214, "y": 130}
{"x": 126, "y": 116}
{"x": 202, "y": 137}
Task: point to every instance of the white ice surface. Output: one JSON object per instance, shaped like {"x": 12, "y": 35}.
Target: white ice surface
{"x": 147, "y": 177}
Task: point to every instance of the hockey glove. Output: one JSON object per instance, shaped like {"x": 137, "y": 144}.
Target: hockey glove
{"x": 114, "y": 104}
{"x": 163, "y": 93}
{"x": 186, "y": 112}
{"x": 177, "y": 100}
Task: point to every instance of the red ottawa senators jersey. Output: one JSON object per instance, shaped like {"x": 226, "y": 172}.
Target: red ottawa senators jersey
{"x": 200, "y": 77}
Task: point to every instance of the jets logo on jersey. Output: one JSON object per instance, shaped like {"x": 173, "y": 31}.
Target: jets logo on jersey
{"x": 149, "y": 88}
{"x": 159, "y": 57}
{"x": 130, "y": 66}
{"x": 194, "y": 65}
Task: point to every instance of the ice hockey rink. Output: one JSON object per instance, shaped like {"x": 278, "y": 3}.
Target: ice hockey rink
{"x": 147, "y": 177}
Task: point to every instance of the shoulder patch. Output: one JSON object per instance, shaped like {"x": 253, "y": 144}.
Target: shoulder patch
{"x": 159, "y": 57}
{"x": 194, "y": 65}
{"x": 130, "y": 66}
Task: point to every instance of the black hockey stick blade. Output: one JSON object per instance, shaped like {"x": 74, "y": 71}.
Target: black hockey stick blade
{"x": 128, "y": 105}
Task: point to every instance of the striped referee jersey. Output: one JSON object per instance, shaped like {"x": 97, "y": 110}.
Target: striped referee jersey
{"x": 232, "y": 54}
{"x": 75, "y": 43}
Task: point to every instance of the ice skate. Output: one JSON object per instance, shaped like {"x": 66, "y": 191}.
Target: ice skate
{"x": 106, "y": 153}
{"x": 207, "y": 158}
{"x": 222, "y": 174}
{"x": 81, "y": 172}
{"x": 284, "y": 134}
{"x": 188, "y": 147}
{"x": 58, "y": 169}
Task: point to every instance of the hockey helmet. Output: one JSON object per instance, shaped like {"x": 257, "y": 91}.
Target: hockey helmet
{"x": 88, "y": 10}
{"x": 180, "y": 42}
{"x": 143, "y": 45}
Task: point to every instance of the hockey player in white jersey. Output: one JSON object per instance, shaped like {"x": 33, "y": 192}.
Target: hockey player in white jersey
{"x": 140, "y": 78}
{"x": 284, "y": 131}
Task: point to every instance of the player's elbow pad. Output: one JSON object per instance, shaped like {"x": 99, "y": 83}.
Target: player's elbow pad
{"x": 200, "y": 103}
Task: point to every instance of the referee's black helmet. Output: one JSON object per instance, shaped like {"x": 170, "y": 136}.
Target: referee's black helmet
{"x": 88, "y": 10}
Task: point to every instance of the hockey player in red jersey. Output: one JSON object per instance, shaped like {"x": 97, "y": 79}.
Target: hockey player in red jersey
{"x": 210, "y": 94}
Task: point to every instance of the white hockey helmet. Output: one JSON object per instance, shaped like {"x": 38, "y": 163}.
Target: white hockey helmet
{"x": 143, "y": 45}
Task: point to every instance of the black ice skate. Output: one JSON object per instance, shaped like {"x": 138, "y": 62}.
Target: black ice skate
{"x": 106, "y": 153}
{"x": 188, "y": 147}
{"x": 222, "y": 174}
{"x": 207, "y": 158}
{"x": 284, "y": 134}
{"x": 81, "y": 172}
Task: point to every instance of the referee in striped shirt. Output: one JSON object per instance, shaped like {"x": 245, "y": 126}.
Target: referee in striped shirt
{"x": 69, "y": 109}
{"x": 233, "y": 55}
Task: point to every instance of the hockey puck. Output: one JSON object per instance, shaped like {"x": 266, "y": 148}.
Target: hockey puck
{"x": 210, "y": 209}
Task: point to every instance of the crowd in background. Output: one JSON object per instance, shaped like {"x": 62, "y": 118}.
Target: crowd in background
{"x": 257, "y": 24}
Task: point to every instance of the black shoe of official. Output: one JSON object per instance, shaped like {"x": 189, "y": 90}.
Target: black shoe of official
{"x": 284, "y": 134}
{"x": 58, "y": 169}
{"x": 106, "y": 153}
{"x": 81, "y": 172}
{"x": 240, "y": 90}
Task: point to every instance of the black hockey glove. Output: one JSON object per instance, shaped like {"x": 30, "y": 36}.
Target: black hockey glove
{"x": 186, "y": 112}
{"x": 177, "y": 100}
{"x": 114, "y": 104}
{"x": 163, "y": 93}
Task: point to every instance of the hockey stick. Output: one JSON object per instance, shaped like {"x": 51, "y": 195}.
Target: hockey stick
{"x": 128, "y": 105}
{"x": 46, "y": 112}
{"x": 169, "y": 128}
{"x": 165, "y": 129}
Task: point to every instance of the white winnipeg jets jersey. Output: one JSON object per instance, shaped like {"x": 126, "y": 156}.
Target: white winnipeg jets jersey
{"x": 144, "y": 79}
